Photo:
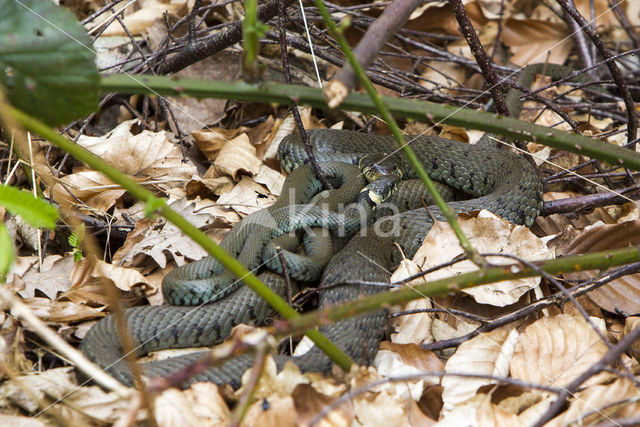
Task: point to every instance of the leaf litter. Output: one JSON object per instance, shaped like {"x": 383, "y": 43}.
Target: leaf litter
{"x": 548, "y": 348}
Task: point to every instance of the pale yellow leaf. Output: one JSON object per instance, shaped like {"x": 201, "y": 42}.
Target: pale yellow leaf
{"x": 601, "y": 403}
{"x": 485, "y": 354}
{"x": 487, "y": 233}
{"x": 555, "y": 350}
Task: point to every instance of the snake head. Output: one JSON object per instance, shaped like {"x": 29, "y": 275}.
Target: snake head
{"x": 378, "y": 191}
{"x": 376, "y": 165}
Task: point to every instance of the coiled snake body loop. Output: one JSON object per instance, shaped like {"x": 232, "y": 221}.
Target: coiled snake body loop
{"x": 500, "y": 181}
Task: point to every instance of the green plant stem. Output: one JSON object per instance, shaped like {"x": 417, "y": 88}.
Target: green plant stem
{"x": 592, "y": 261}
{"x": 185, "y": 226}
{"x": 448, "y": 213}
{"x": 407, "y": 108}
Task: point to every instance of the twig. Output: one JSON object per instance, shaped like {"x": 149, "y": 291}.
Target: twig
{"x": 585, "y": 203}
{"x": 632, "y": 124}
{"x": 200, "y": 50}
{"x": 488, "y": 72}
{"x": 394, "y": 16}
{"x": 294, "y": 108}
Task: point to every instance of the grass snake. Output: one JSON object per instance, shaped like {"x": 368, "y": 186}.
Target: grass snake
{"x": 499, "y": 181}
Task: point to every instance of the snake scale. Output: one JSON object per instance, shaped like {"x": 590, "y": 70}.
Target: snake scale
{"x": 499, "y": 181}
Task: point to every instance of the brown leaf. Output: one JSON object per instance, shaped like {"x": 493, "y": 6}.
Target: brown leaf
{"x": 309, "y": 403}
{"x": 414, "y": 328}
{"x": 532, "y": 40}
{"x": 211, "y": 140}
{"x": 486, "y": 354}
{"x": 555, "y": 350}
{"x": 147, "y": 154}
{"x": 91, "y": 187}
{"x": 52, "y": 279}
{"x": 238, "y": 156}
{"x": 61, "y": 311}
{"x": 622, "y": 293}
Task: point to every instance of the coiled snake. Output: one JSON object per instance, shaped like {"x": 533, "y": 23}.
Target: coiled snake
{"x": 500, "y": 181}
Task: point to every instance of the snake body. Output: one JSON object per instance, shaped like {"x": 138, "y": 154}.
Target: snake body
{"x": 499, "y": 181}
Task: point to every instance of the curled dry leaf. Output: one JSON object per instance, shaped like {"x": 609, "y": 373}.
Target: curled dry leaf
{"x": 274, "y": 383}
{"x": 200, "y": 405}
{"x": 61, "y": 311}
{"x": 487, "y": 233}
{"x": 622, "y": 293}
{"x": 394, "y": 360}
{"x": 631, "y": 323}
{"x": 90, "y": 187}
{"x": 486, "y": 354}
{"x": 141, "y": 20}
{"x": 238, "y": 156}
{"x": 555, "y": 350}
{"x": 52, "y": 279}
{"x": 125, "y": 279}
{"x": 211, "y": 140}
{"x": 247, "y": 197}
{"x": 271, "y": 179}
{"x": 601, "y": 403}
{"x": 149, "y": 155}
{"x": 159, "y": 238}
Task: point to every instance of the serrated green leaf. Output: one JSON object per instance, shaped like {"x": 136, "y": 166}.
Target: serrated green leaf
{"x": 34, "y": 211}
{"x": 7, "y": 252}
{"x": 47, "y": 66}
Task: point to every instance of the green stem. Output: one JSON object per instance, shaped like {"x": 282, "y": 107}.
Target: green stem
{"x": 141, "y": 193}
{"x": 448, "y": 213}
{"x": 593, "y": 261}
{"x": 407, "y": 108}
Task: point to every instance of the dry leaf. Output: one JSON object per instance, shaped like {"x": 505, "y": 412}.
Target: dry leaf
{"x": 211, "y": 140}
{"x": 309, "y": 403}
{"x": 532, "y": 41}
{"x": 247, "y": 197}
{"x": 479, "y": 412}
{"x": 200, "y": 405}
{"x": 141, "y": 20}
{"x": 601, "y": 403}
{"x": 61, "y": 311}
{"x": 624, "y": 292}
{"x": 413, "y": 328}
{"x": 555, "y": 350}
{"x": 486, "y": 233}
{"x": 147, "y": 154}
{"x": 486, "y": 354}
{"x": 91, "y": 187}
{"x": 394, "y": 360}
{"x": 272, "y": 412}
{"x": 238, "y": 156}
{"x": 52, "y": 279}
{"x": 125, "y": 279}
{"x": 159, "y": 238}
